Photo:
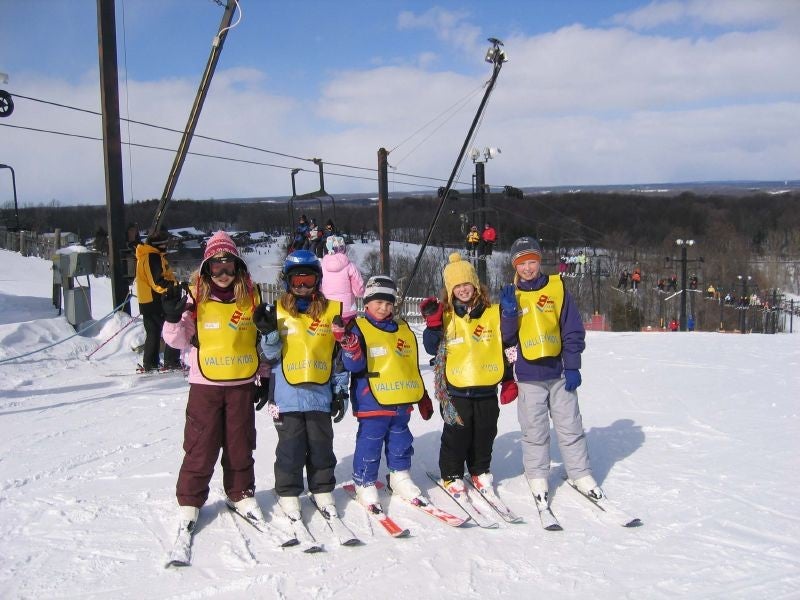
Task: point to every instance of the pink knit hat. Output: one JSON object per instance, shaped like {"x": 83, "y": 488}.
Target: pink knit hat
{"x": 220, "y": 242}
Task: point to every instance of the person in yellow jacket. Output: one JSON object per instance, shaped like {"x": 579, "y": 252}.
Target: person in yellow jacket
{"x": 216, "y": 325}
{"x": 473, "y": 241}
{"x": 468, "y": 324}
{"x": 380, "y": 351}
{"x": 300, "y": 345}
{"x": 153, "y": 276}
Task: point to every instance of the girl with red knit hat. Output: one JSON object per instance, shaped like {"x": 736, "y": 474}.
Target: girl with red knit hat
{"x": 215, "y": 322}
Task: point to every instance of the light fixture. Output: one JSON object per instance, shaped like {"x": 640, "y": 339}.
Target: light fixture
{"x": 491, "y": 152}
{"x": 474, "y": 154}
{"x": 496, "y": 54}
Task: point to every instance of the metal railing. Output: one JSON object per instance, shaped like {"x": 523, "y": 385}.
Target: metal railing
{"x": 408, "y": 310}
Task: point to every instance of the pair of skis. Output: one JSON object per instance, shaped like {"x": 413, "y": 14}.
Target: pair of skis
{"x": 480, "y": 504}
{"x": 611, "y": 510}
{"x": 299, "y": 538}
{"x": 420, "y": 503}
{"x": 302, "y": 538}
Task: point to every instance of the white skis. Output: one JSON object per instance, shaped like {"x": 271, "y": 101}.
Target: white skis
{"x": 341, "y": 531}
{"x": 610, "y": 508}
{"x": 466, "y": 502}
{"x": 181, "y": 553}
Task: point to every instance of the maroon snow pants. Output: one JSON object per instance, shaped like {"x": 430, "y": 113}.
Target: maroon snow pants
{"x": 218, "y": 417}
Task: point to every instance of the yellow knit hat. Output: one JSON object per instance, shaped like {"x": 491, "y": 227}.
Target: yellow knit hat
{"x": 459, "y": 271}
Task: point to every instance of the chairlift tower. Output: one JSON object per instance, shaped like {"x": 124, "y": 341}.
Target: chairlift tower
{"x": 480, "y": 159}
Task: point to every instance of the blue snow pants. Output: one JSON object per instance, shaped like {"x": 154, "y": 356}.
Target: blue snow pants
{"x": 373, "y": 434}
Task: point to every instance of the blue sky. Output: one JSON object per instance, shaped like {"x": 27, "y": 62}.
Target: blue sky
{"x": 594, "y": 93}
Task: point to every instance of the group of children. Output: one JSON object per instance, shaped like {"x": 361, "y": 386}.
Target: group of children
{"x": 300, "y": 353}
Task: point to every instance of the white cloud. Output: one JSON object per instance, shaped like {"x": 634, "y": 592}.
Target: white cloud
{"x": 575, "y": 106}
{"x": 729, "y": 13}
{"x": 448, "y": 26}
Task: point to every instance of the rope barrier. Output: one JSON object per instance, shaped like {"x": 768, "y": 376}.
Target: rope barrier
{"x": 123, "y": 328}
{"x": 114, "y": 310}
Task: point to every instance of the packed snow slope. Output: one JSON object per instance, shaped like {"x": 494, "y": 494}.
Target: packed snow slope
{"x": 696, "y": 433}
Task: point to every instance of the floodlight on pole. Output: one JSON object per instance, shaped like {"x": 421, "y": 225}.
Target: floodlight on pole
{"x": 684, "y": 244}
{"x": 745, "y": 301}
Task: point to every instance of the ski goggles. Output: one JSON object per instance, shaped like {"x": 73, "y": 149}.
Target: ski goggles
{"x": 304, "y": 280}
{"x": 217, "y": 267}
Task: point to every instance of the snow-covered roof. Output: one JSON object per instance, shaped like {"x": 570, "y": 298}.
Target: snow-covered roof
{"x": 185, "y": 232}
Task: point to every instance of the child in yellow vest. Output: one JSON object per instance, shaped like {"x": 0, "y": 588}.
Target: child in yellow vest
{"x": 216, "y": 324}
{"x": 468, "y": 324}
{"x": 299, "y": 342}
{"x": 381, "y": 354}
{"x": 540, "y": 318}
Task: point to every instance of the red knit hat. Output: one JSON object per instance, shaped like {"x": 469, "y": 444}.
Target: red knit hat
{"x": 220, "y": 242}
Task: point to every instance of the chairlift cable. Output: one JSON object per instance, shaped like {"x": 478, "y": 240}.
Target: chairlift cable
{"x": 497, "y": 57}
{"x": 200, "y": 136}
{"x": 461, "y": 102}
{"x": 204, "y": 155}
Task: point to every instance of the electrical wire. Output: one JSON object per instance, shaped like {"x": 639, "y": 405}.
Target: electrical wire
{"x": 209, "y": 138}
{"x": 463, "y": 103}
{"x": 206, "y": 155}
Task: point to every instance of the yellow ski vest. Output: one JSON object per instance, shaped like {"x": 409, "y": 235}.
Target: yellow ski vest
{"x": 227, "y": 339}
{"x": 392, "y": 363}
{"x": 540, "y": 315}
{"x": 307, "y": 345}
{"x": 474, "y": 349}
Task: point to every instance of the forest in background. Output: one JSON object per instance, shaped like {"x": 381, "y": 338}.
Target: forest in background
{"x": 756, "y": 236}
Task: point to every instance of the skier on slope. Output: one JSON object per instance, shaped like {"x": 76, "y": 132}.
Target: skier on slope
{"x": 341, "y": 281}
{"x": 216, "y": 324}
{"x": 379, "y": 352}
{"x": 153, "y": 277}
{"x": 303, "y": 352}
{"x": 540, "y": 317}
{"x": 468, "y": 324}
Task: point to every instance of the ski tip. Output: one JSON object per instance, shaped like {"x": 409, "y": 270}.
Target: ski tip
{"x": 554, "y": 527}
{"x": 314, "y": 549}
{"x": 176, "y": 564}
{"x": 636, "y": 522}
{"x": 402, "y": 534}
{"x": 290, "y": 543}
{"x": 352, "y": 542}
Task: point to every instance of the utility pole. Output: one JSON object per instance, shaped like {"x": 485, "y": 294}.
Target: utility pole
{"x": 480, "y": 195}
{"x": 14, "y": 189}
{"x": 112, "y": 148}
{"x": 684, "y": 244}
{"x": 683, "y": 288}
{"x": 744, "y": 301}
{"x": 383, "y": 209}
{"x": 480, "y": 191}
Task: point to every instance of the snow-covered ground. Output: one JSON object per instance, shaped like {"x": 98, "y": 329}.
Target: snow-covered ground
{"x": 695, "y": 433}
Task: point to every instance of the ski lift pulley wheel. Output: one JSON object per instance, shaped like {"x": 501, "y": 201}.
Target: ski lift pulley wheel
{"x": 6, "y": 104}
